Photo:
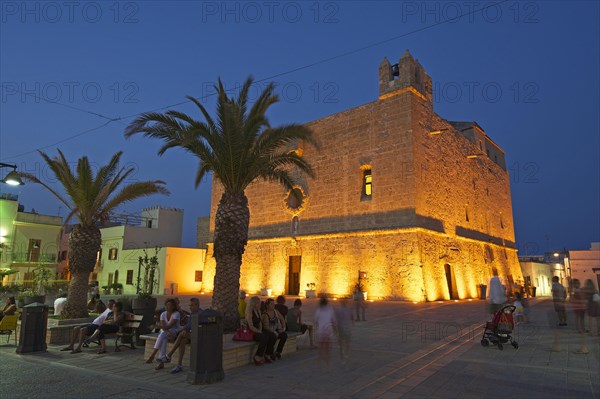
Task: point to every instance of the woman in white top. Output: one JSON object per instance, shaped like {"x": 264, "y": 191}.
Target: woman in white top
{"x": 325, "y": 324}
{"x": 169, "y": 323}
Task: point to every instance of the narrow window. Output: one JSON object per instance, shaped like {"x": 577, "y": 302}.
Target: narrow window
{"x": 149, "y": 223}
{"x": 198, "y": 276}
{"x": 467, "y": 213}
{"x": 129, "y": 280}
{"x": 367, "y": 189}
{"x": 112, "y": 254}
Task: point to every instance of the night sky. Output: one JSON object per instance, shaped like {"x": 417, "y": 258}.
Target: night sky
{"x": 74, "y": 74}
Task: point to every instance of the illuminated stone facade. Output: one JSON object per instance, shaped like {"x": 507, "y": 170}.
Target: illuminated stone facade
{"x": 421, "y": 204}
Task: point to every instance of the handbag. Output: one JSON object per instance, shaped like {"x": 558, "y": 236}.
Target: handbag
{"x": 243, "y": 334}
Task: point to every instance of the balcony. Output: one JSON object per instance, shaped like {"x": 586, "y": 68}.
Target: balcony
{"x": 24, "y": 257}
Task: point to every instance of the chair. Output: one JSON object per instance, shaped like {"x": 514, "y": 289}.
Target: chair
{"x": 8, "y": 324}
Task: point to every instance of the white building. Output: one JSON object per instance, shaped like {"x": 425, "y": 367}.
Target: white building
{"x": 585, "y": 264}
{"x": 159, "y": 231}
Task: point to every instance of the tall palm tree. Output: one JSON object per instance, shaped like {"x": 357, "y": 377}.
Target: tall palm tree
{"x": 239, "y": 146}
{"x": 91, "y": 199}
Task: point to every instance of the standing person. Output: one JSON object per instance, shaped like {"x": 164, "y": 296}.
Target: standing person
{"x": 588, "y": 291}
{"x": 274, "y": 323}
{"x": 184, "y": 334}
{"x": 325, "y": 325}
{"x": 593, "y": 308}
{"x": 559, "y": 296}
{"x": 497, "y": 296}
{"x": 266, "y": 341}
{"x": 578, "y": 303}
{"x": 294, "y": 321}
{"x": 519, "y": 308}
{"x": 359, "y": 302}
{"x": 242, "y": 304}
{"x": 343, "y": 316}
{"x": 169, "y": 324}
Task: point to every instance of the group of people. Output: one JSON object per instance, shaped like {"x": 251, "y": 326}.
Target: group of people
{"x": 174, "y": 325}
{"x": 269, "y": 322}
{"x": 268, "y": 325}
{"x": 108, "y": 322}
{"x": 584, "y": 301}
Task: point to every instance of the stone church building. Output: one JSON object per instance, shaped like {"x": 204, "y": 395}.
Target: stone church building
{"x": 417, "y": 205}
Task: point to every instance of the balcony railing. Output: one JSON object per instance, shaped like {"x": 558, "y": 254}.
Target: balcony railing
{"x": 24, "y": 257}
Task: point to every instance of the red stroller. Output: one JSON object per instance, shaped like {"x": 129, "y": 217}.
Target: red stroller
{"x": 499, "y": 330}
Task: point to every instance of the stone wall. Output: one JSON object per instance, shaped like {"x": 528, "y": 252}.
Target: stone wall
{"x": 438, "y": 222}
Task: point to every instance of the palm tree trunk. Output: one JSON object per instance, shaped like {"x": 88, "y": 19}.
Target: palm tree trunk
{"x": 231, "y": 235}
{"x": 84, "y": 243}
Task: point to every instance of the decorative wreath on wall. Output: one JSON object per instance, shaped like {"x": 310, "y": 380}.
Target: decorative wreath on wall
{"x": 295, "y": 201}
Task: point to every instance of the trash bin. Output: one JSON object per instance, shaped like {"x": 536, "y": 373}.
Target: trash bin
{"x": 482, "y": 291}
{"x": 34, "y": 324}
{"x": 206, "y": 355}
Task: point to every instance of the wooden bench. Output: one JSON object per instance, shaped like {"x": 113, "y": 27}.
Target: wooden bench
{"x": 235, "y": 353}
{"x": 8, "y": 325}
{"x": 128, "y": 329}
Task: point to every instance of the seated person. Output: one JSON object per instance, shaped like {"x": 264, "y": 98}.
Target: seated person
{"x": 184, "y": 315}
{"x": 88, "y": 330}
{"x": 169, "y": 324}
{"x": 280, "y": 306}
{"x": 273, "y": 324}
{"x": 59, "y": 304}
{"x": 10, "y": 308}
{"x": 184, "y": 334}
{"x": 294, "y": 321}
{"x": 111, "y": 325}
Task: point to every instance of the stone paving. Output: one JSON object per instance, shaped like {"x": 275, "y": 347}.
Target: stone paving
{"x": 403, "y": 350}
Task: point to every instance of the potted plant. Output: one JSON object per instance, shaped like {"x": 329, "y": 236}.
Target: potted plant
{"x": 145, "y": 303}
{"x": 310, "y": 291}
{"x": 117, "y": 288}
{"x": 41, "y": 281}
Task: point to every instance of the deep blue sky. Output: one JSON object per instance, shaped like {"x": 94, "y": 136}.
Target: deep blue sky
{"x": 526, "y": 71}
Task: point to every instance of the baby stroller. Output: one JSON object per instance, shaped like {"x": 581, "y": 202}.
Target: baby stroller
{"x": 498, "y": 331}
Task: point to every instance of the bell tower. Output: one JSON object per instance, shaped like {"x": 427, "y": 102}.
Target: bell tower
{"x": 407, "y": 74}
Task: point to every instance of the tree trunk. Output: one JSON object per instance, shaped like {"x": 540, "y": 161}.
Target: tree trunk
{"x": 231, "y": 236}
{"x": 84, "y": 243}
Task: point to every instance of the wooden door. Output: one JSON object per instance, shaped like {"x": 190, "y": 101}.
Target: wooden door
{"x": 294, "y": 275}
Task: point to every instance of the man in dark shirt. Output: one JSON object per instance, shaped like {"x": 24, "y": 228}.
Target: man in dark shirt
{"x": 280, "y": 306}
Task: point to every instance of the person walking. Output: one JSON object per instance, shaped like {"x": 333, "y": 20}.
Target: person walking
{"x": 497, "y": 296}
{"x": 559, "y": 296}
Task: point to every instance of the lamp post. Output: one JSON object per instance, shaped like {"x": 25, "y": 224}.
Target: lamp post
{"x": 12, "y": 178}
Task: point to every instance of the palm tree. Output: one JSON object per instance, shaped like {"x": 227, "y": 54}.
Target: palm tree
{"x": 91, "y": 199}
{"x": 238, "y": 147}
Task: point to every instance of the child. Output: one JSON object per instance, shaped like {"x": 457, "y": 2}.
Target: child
{"x": 519, "y": 315}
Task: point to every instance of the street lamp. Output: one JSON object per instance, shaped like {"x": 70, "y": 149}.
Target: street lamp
{"x": 12, "y": 178}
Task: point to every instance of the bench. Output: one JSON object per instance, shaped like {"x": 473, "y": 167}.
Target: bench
{"x": 128, "y": 329}
{"x": 235, "y": 353}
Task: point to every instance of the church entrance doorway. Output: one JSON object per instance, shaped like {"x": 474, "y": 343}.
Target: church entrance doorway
{"x": 295, "y": 263}
{"x": 451, "y": 281}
